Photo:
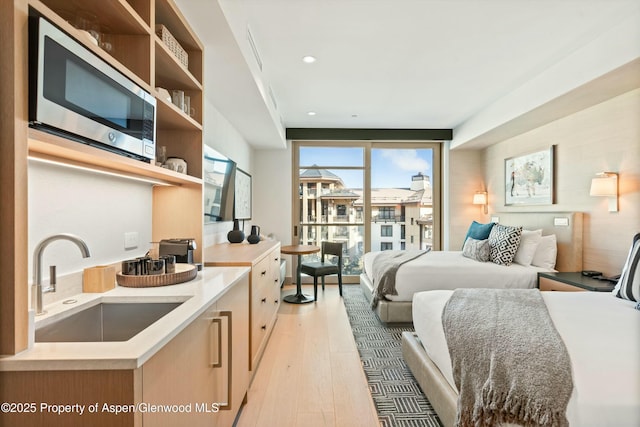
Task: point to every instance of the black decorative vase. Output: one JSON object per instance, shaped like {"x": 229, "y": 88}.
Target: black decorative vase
{"x": 254, "y": 237}
{"x": 236, "y": 235}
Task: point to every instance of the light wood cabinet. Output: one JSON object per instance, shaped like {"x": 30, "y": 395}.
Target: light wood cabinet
{"x": 202, "y": 372}
{"x": 264, "y": 260}
{"x": 546, "y": 284}
{"x": 199, "y": 378}
{"x": 571, "y": 282}
{"x": 265, "y": 300}
{"x": 139, "y": 54}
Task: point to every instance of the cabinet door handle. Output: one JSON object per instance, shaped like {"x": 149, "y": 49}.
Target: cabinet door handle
{"x": 215, "y": 359}
{"x": 276, "y": 301}
{"x": 264, "y": 299}
{"x": 264, "y": 273}
{"x": 263, "y": 327}
{"x": 225, "y": 404}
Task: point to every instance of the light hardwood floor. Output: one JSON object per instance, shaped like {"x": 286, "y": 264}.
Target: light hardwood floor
{"x": 310, "y": 374}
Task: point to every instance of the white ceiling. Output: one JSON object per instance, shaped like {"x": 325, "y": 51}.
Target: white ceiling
{"x": 387, "y": 63}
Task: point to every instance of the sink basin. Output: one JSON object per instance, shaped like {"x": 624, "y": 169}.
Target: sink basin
{"x": 107, "y": 321}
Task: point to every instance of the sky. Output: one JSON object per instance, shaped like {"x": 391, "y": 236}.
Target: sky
{"x": 390, "y": 168}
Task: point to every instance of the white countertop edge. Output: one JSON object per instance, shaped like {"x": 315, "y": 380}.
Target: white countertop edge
{"x": 198, "y": 295}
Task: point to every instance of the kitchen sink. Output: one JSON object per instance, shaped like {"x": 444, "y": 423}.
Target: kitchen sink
{"x": 106, "y": 321}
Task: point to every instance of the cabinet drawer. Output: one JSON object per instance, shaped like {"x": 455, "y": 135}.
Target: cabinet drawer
{"x": 260, "y": 274}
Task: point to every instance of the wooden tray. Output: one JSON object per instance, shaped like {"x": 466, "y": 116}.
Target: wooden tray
{"x": 184, "y": 273}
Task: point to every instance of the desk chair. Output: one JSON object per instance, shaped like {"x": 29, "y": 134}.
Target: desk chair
{"x": 628, "y": 286}
{"x": 322, "y": 268}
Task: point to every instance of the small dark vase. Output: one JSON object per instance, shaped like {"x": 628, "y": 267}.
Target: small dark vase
{"x": 236, "y": 235}
{"x": 254, "y": 237}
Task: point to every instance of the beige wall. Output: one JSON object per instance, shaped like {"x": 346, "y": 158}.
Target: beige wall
{"x": 605, "y": 137}
{"x": 465, "y": 176}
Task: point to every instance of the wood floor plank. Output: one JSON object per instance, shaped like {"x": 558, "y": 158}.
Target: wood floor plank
{"x": 310, "y": 374}
{"x": 353, "y": 403}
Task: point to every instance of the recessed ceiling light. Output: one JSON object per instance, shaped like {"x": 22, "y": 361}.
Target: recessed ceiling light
{"x": 354, "y": 115}
{"x": 308, "y": 59}
{"x": 311, "y": 113}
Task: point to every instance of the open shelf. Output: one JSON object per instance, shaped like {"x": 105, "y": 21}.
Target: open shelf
{"x": 46, "y": 146}
{"x": 170, "y": 74}
{"x": 171, "y": 117}
{"x": 118, "y": 15}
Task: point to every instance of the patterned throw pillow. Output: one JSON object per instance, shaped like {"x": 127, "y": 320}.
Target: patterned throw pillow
{"x": 476, "y": 249}
{"x": 628, "y": 287}
{"x": 503, "y": 243}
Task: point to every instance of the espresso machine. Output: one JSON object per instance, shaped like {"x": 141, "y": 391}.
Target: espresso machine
{"x": 182, "y": 249}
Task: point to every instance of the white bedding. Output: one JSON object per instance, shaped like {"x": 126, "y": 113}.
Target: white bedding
{"x": 450, "y": 270}
{"x": 602, "y": 335}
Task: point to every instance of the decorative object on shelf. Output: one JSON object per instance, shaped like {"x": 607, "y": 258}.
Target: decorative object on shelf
{"x": 254, "y": 237}
{"x": 164, "y": 94}
{"x": 529, "y": 179}
{"x": 236, "y": 235}
{"x": 173, "y": 45}
{"x": 177, "y": 98}
{"x": 88, "y": 22}
{"x": 188, "y": 109}
{"x": 106, "y": 39}
{"x": 176, "y": 164}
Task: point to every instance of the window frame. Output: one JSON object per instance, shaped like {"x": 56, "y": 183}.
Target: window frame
{"x": 367, "y": 146}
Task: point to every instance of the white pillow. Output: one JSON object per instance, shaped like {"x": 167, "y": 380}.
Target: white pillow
{"x": 528, "y": 244}
{"x": 546, "y": 252}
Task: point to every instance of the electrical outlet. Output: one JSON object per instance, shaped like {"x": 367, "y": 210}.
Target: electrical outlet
{"x": 131, "y": 240}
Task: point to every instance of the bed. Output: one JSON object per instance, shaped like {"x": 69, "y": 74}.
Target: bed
{"x": 450, "y": 270}
{"x": 601, "y": 334}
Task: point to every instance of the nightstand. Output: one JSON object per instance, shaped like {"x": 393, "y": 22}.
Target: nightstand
{"x": 572, "y": 282}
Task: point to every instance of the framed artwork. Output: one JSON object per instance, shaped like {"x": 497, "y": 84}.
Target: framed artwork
{"x": 242, "y": 203}
{"x": 529, "y": 179}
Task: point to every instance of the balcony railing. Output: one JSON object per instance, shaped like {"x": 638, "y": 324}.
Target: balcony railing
{"x": 388, "y": 218}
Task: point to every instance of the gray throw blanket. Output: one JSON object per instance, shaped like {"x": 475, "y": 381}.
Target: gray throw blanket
{"x": 509, "y": 362}
{"x": 384, "y": 272}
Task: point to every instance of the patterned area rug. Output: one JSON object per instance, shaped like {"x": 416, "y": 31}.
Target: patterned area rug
{"x": 395, "y": 392}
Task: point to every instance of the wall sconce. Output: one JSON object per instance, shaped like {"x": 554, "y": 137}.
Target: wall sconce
{"x": 606, "y": 184}
{"x": 480, "y": 198}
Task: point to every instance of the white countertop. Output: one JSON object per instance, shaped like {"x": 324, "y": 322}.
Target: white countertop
{"x": 198, "y": 294}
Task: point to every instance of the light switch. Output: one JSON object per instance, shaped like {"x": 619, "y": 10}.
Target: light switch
{"x": 131, "y": 240}
{"x": 561, "y": 221}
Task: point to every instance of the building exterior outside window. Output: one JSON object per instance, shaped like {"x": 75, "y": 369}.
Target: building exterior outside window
{"x": 386, "y": 246}
{"x": 330, "y": 211}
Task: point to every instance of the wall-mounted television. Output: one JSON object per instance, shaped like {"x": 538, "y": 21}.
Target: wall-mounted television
{"x": 219, "y": 184}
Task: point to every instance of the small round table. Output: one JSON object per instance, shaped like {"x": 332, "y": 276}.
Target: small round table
{"x": 299, "y": 250}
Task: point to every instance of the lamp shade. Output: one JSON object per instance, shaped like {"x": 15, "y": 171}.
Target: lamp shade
{"x": 604, "y": 185}
{"x": 480, "y": 198}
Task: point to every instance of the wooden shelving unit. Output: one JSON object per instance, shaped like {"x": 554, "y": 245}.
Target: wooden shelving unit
{"x": 142, "y": 56}
{"x": 139, "y": 54}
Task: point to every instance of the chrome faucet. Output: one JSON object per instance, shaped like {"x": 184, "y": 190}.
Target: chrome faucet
{"x": 37, "y": 289}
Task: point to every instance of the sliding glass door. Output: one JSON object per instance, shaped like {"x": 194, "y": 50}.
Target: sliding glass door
{"x": 366, "y": 195}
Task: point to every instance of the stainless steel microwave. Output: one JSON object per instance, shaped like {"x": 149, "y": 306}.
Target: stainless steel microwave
{"x": 75, "y": 93}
